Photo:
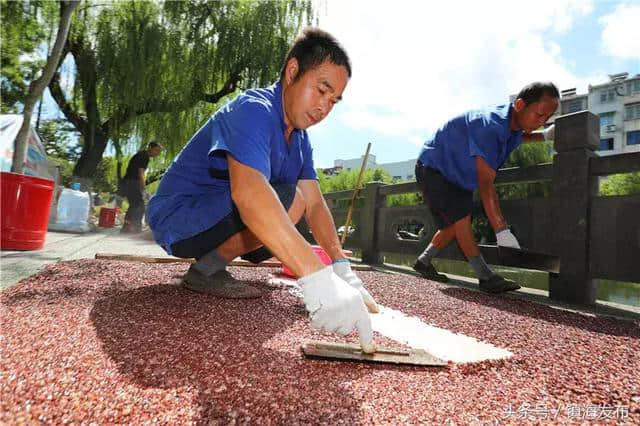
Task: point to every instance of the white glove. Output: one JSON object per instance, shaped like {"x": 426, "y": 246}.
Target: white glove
{"x": 549, "y": 133}
{"x": 507, "y": 239}
{"x": 336, "y": 306}
{"x": 343, "y": 270}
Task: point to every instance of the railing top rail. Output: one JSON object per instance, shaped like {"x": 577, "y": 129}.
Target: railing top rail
{"x": 513, "y": 175}
{"x": 341, "y": 195}
{"x": 612, "y": 164}
{"x": 399, "y": 188}
{"x": 529, "y": 174}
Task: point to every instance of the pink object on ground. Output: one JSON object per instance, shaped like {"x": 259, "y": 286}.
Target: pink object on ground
{"x": 319, "y": 251}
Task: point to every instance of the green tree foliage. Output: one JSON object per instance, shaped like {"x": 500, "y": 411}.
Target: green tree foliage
{"x": 26, "y": 25}
{"x": 346, "y": 180}
{"x": 106, "y": 180}
{"x": 621, "y": 184}
{"x": 524, "y": 156}
{"x": 157, "y": 70}
{"x": 59, "y": 139}
{"x": 59, "y": 143}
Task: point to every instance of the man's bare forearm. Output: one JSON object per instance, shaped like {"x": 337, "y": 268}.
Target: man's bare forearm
{"x": 323, "y": 227}
{"x": 266, "y": 218}
{"x": 491, "y": 206}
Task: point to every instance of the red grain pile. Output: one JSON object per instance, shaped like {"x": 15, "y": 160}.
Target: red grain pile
{"x": 112, "y": 342}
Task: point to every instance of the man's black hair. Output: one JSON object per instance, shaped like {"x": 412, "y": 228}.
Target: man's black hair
{"x": 534, "y": 91}
{"x": 312, "y": 48}
{"x": 153, "y": 145}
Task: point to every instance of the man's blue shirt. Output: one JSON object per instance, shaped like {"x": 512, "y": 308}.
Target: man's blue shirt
{"x": 485, "y": 133}
{"x": 195, "y": 193}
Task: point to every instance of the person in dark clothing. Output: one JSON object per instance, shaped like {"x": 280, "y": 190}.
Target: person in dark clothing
{"x": 133, "y": 187}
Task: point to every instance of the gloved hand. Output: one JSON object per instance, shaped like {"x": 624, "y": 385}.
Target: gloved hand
{"x": 336, "y": 306}
{"x": 549, "y": 133}
{"x": 507, "y": 239}
{"x": 343, "y": 270}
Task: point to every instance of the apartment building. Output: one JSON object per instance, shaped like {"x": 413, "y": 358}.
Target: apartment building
{"x": 399, "y": 170}
{"x": 617, "y": 103}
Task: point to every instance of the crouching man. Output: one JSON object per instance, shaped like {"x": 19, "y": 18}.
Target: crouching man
{"x": 247, "y": 176}
{"x": 464, "y": 155}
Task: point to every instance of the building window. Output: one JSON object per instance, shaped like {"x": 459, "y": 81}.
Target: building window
{"x": 606, "y": 144}
{"x": 633, "y": 138}
{"x": 633, "y": 87}
{"x": 606, "y": 118}
{"x": 574, "y": 105}
{"x": 632, "y": 111}
{"x": 607, "y": 95}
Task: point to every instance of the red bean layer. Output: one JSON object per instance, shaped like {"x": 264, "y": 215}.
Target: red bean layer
{"x": 114, "y": 342}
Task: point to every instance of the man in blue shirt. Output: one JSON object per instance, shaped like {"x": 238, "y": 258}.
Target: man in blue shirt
{"x": 246, "y": 177}
{"x": 464, "y": 155}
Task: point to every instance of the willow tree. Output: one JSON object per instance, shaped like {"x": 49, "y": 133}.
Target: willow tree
{"x": 148, "y": 70}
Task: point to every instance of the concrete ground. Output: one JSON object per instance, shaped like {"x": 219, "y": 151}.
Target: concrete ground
{"x": 60, "y": 246}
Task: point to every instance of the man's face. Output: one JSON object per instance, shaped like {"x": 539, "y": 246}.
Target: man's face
{"x": 533, "y": 116}
{"x": 155, "y": 151}
{"x": 310, "y": 98}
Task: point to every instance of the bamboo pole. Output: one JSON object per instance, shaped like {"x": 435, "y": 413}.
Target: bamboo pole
{"x": 355, "y": 194}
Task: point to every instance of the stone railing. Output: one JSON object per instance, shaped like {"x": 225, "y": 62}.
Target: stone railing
{"x": 595, "y": 237}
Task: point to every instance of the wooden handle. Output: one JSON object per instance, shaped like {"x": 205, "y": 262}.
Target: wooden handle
{"x": 355, "y": 194}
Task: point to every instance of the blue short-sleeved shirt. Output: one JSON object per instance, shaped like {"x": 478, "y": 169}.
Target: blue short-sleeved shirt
{"x": 485, "y": 133}
{"x": 195, "y": 194}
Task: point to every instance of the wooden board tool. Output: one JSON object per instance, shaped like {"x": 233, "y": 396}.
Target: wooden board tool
{"x": 352, "y": 352}
{"x": 165, "y": 259}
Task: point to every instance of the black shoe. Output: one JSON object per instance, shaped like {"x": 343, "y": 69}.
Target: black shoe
{"x": 498, "y": 284}
{"x": 429, "y": 272}
{"x": 220, "y": 284}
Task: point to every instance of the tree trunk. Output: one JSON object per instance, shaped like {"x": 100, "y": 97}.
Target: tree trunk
{"x": 37, "y": 87}
{"x": 91, "y": 155}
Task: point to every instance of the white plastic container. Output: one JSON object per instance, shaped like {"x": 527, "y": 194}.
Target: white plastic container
{"x": 73, "y": 208}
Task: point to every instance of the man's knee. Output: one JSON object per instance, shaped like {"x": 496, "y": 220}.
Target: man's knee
{"x": 463, "y": 225}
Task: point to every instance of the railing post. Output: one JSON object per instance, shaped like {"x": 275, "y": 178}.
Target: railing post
{"x": 369, "y": 223}
{"x": 577, "y": 136}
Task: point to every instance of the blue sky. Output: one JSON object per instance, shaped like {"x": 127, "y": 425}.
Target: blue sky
{"x": 417, "y": 63}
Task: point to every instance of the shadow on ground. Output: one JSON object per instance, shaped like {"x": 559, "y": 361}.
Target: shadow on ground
{"x": 237, "y": 354}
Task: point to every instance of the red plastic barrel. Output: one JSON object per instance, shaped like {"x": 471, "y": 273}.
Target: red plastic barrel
{"x": 107, "y": 217}
{"x": 26, "y": 202}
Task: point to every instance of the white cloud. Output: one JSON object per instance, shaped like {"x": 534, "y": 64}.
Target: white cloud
{"x": 617, "y": 36}
{"x": 416, "y": 63}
